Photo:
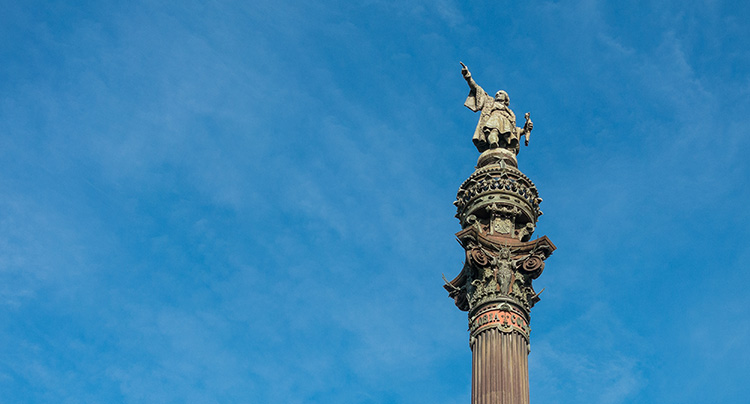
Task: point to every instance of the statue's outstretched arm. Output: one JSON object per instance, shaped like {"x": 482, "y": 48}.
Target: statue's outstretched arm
{"x": 467, "y": 76}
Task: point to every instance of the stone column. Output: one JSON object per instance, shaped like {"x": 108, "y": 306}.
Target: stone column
{"x": 500, "y": 348}
{"x": 498, "y": 207}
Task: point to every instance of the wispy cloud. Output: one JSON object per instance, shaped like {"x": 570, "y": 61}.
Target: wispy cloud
{"x": 607, "y": 369}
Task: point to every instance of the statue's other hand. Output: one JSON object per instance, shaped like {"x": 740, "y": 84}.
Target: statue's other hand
{"x": 531, "y": 126}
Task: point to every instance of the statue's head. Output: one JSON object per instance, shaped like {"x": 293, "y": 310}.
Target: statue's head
{"x": 502, "y": 96}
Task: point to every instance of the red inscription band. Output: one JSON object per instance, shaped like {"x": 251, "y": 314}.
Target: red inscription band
{"x": 504, "y": 320}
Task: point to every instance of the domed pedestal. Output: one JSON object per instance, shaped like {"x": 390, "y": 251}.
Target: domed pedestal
{"x": 496, "y": 156}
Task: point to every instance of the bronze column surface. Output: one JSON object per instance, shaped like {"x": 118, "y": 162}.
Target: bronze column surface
{"x": 498, "y": 207}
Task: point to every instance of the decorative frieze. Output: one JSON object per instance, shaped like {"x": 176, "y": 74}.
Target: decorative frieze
{"x": 501, "y": 317}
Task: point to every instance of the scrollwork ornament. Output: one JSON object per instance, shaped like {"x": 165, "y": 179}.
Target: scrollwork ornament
{"x": 533, "y": 264}
{"x": 479, "y": 257}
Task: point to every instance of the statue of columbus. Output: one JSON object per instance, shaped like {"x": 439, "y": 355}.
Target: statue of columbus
{"x": 497, "y": 122}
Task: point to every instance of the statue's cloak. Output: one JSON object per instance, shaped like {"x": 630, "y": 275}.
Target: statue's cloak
{"x": 493, "y": 116}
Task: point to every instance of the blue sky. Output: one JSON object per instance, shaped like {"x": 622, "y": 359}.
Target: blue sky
{"x": 251, "y": 202}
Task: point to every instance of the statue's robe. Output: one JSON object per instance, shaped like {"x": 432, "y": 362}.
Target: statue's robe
{"x": 494, "y": 115}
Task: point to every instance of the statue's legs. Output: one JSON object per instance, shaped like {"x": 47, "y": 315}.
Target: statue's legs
{"x": 493, "y": 138}
{"x": 511, "y": 141}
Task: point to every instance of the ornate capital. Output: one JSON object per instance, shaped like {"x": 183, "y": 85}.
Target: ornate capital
{"x": 498, "y": 207}
{"x": 498, "y": 269}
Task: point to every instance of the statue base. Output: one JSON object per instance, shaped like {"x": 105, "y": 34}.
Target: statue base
{"x": 497, "y": 156}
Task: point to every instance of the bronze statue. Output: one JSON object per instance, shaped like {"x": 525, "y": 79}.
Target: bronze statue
{"x": 497, "y": 122}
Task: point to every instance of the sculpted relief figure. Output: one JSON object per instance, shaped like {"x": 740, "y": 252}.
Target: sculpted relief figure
{"x": 497, "y": 123}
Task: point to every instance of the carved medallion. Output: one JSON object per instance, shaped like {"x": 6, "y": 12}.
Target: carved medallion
{"x": 502, "y": 226}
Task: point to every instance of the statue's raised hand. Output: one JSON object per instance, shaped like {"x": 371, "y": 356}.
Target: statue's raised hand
{"x": 465, "y": 71}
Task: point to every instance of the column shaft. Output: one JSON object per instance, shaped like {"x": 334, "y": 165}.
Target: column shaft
{"x": 500, "y": 368}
